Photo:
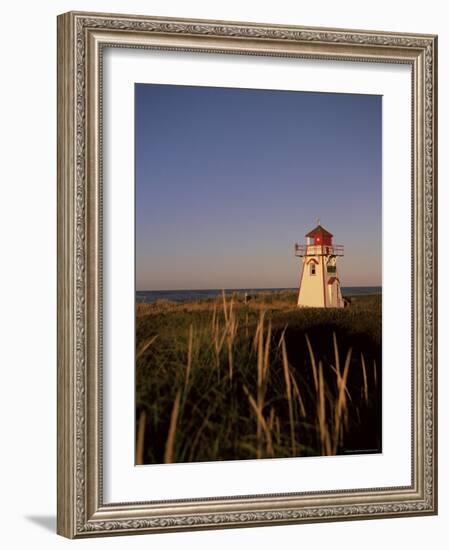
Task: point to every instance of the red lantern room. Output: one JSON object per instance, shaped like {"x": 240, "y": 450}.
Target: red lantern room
{"x": 319, "y": 242}
{"x": 319, "y": 236}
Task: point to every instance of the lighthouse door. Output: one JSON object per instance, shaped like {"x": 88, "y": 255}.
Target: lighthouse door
{"x": 333, "y": 292}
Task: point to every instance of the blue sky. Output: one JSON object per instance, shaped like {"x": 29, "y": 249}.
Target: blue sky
{"x": 227, "y": 180}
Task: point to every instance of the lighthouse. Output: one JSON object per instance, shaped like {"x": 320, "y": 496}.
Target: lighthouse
{"x": 319, "y": 284}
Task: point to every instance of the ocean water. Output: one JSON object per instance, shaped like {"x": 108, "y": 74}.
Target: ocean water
{"x": 149, "y": 296}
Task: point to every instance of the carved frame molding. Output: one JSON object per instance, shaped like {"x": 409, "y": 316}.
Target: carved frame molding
{"x": 81, "y": 39}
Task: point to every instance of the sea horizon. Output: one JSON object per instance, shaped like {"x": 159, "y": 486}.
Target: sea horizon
{"x": 185, "y": 295}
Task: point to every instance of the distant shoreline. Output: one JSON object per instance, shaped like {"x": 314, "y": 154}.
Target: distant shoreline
{"x": 150, "y": 296}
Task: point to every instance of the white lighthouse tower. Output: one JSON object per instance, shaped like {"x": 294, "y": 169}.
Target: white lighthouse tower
{"x": 319, "y": 285}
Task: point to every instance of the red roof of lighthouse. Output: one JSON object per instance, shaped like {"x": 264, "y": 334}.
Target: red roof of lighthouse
{"x": 319, "y": 231}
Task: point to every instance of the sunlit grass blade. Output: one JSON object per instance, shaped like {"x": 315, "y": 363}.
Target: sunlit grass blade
{"x": 140, "y": 445}
{"x": 170, "y": 444}
{"x": 340, "y": 407}
{"x": 145, "y": 346}
{"x": 312, "y": 361}
{"x": 260, "y": 422}
{"x": 365, "y": 378}
{"x": 302, "y": 409}
{"x": 289, "y": 397}
{"x": 189, "y": 358}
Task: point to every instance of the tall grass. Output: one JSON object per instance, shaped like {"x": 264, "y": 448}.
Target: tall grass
{"x": 235, "y": 381}
{"x": 170, "y": 445}
{"x": 289, "y": 395}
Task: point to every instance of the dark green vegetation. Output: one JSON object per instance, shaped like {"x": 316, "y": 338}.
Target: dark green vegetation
{"x": 224, "y": 380}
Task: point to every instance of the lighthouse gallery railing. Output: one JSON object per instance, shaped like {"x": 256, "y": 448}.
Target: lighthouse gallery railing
{"x": 319, "y": 250}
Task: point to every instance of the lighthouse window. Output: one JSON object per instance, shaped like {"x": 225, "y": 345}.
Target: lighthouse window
{"x": 332, "y": 269}
{"x": 312, "y": 269}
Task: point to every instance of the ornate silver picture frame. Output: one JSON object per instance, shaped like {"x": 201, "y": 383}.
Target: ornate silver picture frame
{"x": 82, "y": 40}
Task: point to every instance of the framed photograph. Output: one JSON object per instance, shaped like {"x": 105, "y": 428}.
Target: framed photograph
{"x": 246, "y": 274}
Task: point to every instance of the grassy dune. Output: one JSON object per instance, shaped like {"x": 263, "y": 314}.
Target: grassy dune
{"x": 220, "y": 379}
